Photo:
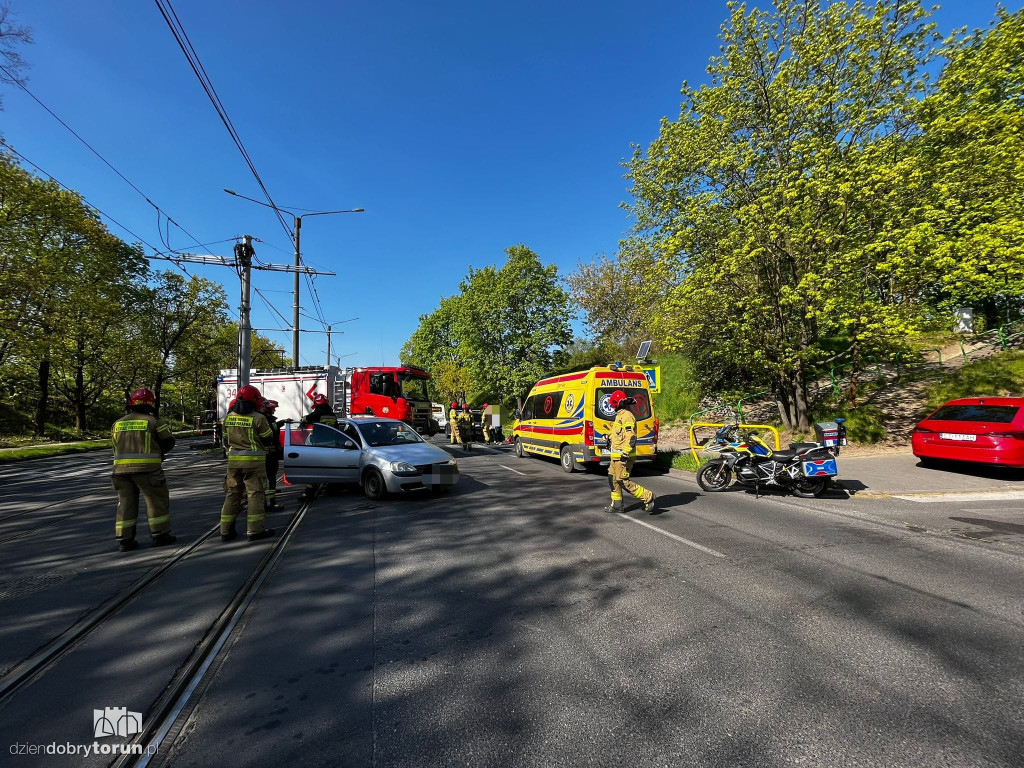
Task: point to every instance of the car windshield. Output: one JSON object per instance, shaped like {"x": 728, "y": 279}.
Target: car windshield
{"x": 380, "y": 433}
{"x": 413, "y": 387}
{"x": 998, "y": 414}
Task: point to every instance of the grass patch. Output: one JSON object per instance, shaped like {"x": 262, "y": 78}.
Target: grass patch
{"x": 680, "y": 389}
{"x": 676, "y": 460}
{"x": 39, "y": 451}
{"x": 996, "y": 376}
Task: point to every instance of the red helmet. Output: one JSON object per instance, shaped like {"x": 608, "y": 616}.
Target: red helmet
{"x": 142, "y": 396}
{"x": 319, "y": 399}
{"x": 465, "y": 406}
{"x": 250, "y": 394}
{"x": 485, "y": 406}
{"x": 615, "y": 398}
{"x": 269, "y": 406}
{"x": 455, "y": 405}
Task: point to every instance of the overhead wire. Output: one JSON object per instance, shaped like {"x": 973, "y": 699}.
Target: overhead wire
{"x": 181, "y": 37}
{"x": 104, "y": 160}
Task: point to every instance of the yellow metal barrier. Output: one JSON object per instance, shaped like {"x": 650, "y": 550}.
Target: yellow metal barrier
{"x": 693, "y": 446}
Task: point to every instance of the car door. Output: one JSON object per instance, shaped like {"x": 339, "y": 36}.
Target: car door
{"x": 320, "y": 454}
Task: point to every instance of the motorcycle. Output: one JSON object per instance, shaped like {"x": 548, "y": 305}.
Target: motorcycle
{"x": 806, "y": 469}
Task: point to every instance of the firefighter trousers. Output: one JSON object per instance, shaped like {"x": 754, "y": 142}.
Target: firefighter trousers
{"x": 252, "y": 481}
{"x": 153, "y": 486}
{"x": 619, "y": 480}
{"x": 273, "y": 462}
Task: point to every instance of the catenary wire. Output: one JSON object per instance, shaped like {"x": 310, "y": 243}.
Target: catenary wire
{"x": 181, "y": 37}
{"x": 104, "y": 160}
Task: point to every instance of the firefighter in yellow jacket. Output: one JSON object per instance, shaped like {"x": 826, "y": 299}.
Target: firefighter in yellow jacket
{"x": 248, "y": 435}
{"x": 623, "y": 448}
{"x": 453, "y": 424}
{"x": 140, "y": 442}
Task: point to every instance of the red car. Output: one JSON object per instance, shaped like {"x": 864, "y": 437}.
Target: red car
{"x": 985, "y": 430}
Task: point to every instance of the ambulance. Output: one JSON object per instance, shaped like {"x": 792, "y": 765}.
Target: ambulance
{"x": 568, "y": 417}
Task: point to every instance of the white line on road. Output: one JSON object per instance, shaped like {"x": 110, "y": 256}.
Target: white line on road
{"x": 513, "y": 470}
{"x": 689, "y": 543}
{"x": 934, "y": 498}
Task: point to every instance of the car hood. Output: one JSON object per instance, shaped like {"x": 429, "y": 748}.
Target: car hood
{"x": 414, "y": 453}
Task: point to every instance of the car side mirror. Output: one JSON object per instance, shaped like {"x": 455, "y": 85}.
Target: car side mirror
{"x": 348, "y": 445}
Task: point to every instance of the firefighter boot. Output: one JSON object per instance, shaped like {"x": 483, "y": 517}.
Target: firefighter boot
{"x": 649, "y": 505}
{"x": 615, "y": 507}
{"x": 127, "y": 545}
{"x": 163, "y": 539}
{"x": 266, "y": 533}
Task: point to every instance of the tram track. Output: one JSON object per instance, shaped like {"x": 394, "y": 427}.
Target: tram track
{"x": 18, "y": 677}
{"x": 179, "y": 698}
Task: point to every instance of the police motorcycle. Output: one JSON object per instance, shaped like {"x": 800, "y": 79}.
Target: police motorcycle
{"x": 806, "y": 469}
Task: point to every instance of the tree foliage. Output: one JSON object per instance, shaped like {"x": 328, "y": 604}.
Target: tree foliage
{"x": 499, "y": 335}
{"x": 820, "y": 197}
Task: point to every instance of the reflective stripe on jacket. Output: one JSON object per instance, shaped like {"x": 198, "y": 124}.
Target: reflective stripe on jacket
{"x": 137, "y": 439}
{"x": 247, "y": 435}
{"x": 623, "y": 435}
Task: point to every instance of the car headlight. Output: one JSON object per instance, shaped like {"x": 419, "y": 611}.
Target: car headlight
{"x": 403, "y": 468}
{"x": 452, "y": 463}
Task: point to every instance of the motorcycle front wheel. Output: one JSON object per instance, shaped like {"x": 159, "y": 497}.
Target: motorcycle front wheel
{"x": 806, "y": 488}
{"x": 714, "y": 476}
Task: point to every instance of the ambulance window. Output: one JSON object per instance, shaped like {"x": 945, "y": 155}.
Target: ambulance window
{"x": 527, "y": 409}
{"x": 604, "y": 410}
{"x": 546, "y": 405}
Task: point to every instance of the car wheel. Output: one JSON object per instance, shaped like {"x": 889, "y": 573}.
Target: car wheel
{"x": 568, "y": 460}
{"x": 519, "y": 448}
{"x": 373, "y": 484}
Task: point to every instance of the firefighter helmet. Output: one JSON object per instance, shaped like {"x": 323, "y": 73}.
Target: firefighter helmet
{"x": 142, "y": 396}
{"x": 250, "y": 394}
{"x": 268, "y": 406}
{"x": 455, "y": 405}
{"x": 465, "y": 407}
{"x": 319, "y": 399}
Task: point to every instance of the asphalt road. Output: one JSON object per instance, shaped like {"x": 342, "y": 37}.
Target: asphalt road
{"x": 512, "y": 622}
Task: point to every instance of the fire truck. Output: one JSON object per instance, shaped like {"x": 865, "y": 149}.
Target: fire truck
{"x": 395, "y": 392}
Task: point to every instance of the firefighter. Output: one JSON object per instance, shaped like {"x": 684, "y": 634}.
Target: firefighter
{"x": 453, "y": 423}
{"x": 273, "y": 455}
{"x": 249, "y": 436}
{"x": 622, "y": 443}
{"x": 485, "y": 426}
{"x": 322, "y": 413}
{"x": 465, "y": 425}
{"x": 141, "y": 441}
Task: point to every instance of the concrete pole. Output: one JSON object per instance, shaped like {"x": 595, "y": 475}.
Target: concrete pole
{"x": 244, "y": 252}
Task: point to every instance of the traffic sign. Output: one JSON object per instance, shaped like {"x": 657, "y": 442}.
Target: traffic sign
{"x": 653, "y": 374}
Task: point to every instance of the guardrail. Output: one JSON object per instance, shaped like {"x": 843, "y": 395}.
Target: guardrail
{"x": 695, "y": 425}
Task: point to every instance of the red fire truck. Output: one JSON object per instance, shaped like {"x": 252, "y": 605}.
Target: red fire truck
{"x": 396, "y": 392}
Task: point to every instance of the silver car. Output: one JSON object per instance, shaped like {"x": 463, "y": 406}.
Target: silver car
{"x": 381, "y": 455}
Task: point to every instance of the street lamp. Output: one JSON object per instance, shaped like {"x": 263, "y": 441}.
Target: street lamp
{"x": 297, "y": 221}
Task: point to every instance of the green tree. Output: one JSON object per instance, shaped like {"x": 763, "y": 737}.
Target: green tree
{"x": 511, "y": 322}
{"x": 499, "y": 335}
{"x": 181, "y": 316}
{"x": 765, "y": 199}
{"x": 970, "y": 230}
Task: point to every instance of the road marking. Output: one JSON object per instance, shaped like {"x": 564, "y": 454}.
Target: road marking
{"x": 680, "y": 539}
{"x": 995, "y": 509}
{"x": 932, "y": 498}
{"x": 513, "y": 470}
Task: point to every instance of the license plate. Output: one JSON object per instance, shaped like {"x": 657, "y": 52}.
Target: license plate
{"x": 823, "y": 468}
{"x": 956, "y": 436}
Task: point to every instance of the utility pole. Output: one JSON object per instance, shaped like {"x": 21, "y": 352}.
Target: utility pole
{"x": 243, "y": 255}
{"x": 242, "y": 263}
{"x": 295, "y": 297}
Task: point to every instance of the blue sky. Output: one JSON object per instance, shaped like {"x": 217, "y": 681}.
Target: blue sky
{"x": 461, "y": 127}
